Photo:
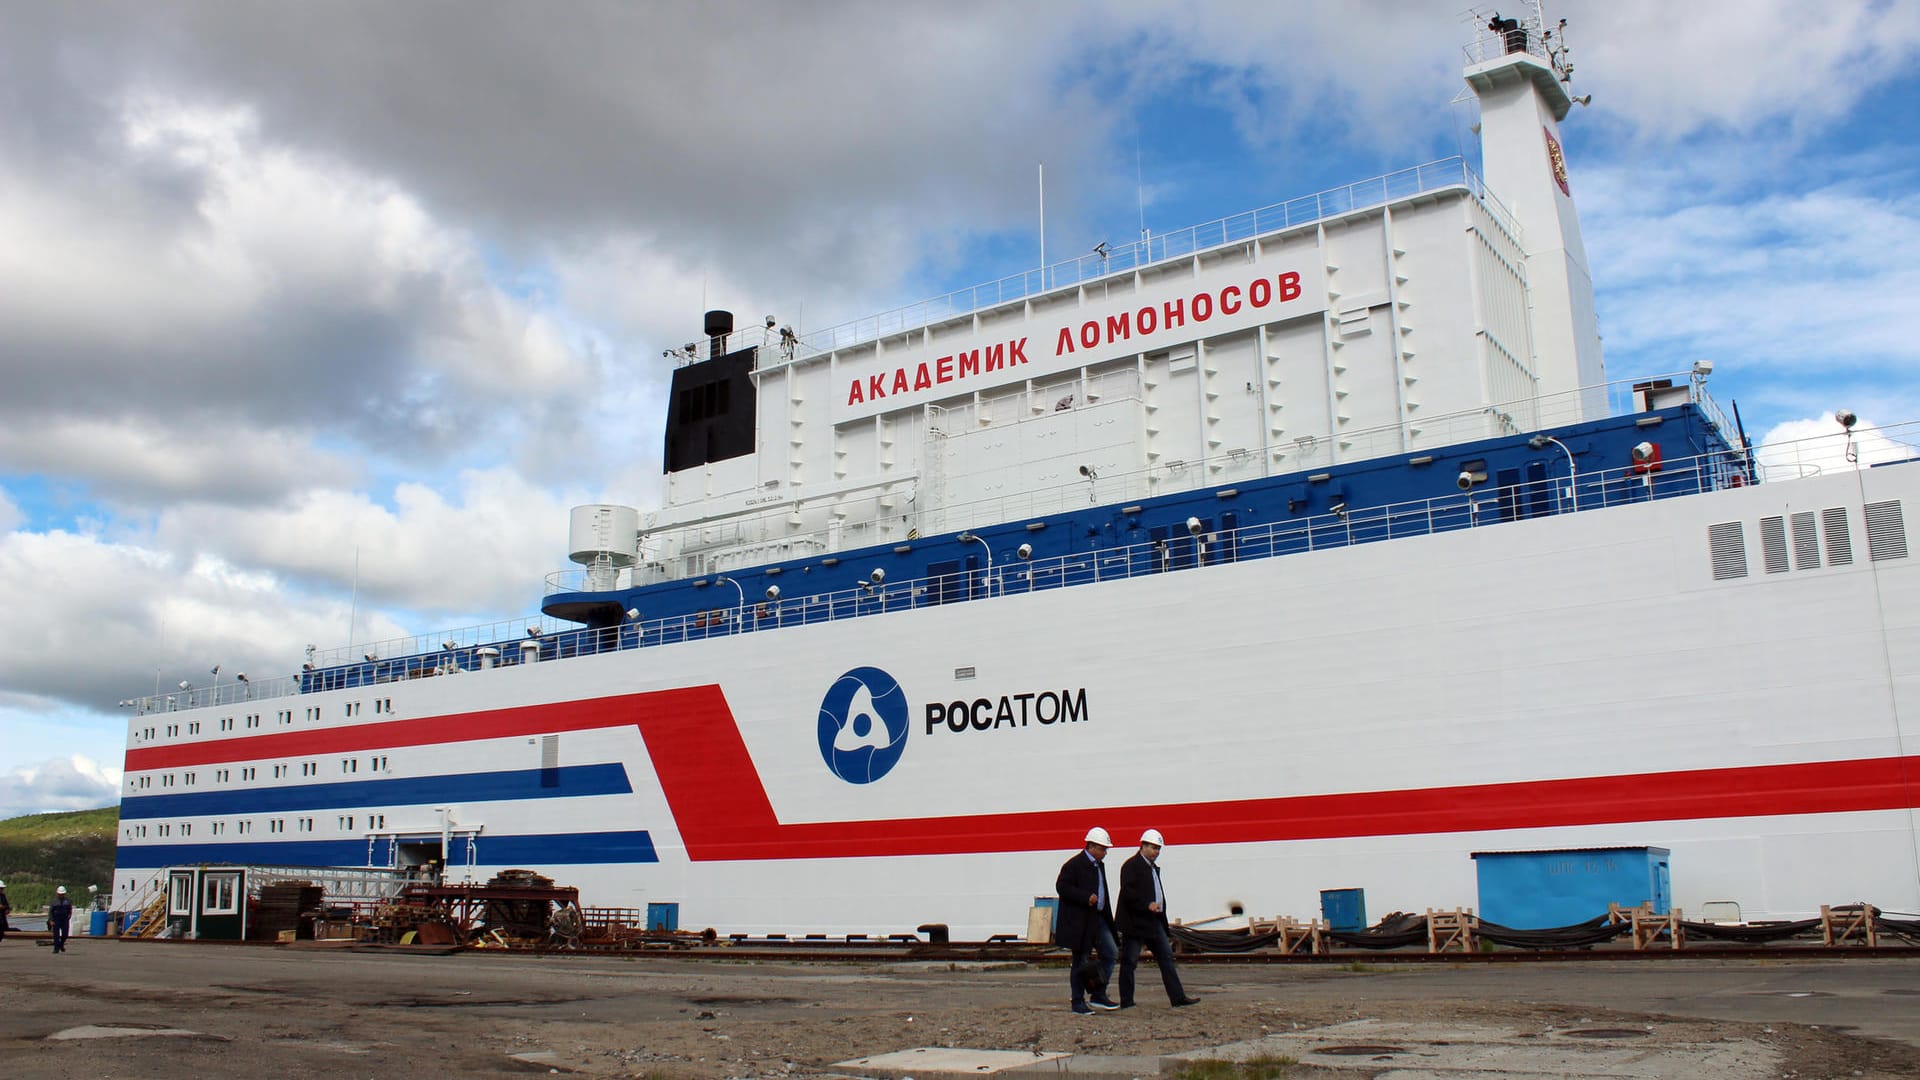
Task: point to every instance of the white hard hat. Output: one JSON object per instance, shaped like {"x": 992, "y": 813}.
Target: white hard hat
{"x": 61, "y": 891}
{"x": 1152, "y": 836}
{"x": 3, "y": 884}
{"x": 1098, "y": 835}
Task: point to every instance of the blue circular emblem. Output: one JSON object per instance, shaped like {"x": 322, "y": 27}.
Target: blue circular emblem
{"x": 863, "y": 725}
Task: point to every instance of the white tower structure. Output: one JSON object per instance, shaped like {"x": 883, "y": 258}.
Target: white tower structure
{"x": 606, "y": 540}
{"x": 1517, "y": 67}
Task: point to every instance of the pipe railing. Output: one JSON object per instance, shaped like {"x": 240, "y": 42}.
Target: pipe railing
{"x": 732, "y": 614}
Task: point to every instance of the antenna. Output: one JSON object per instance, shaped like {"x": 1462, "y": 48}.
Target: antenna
{"x": 1043, "y": 223}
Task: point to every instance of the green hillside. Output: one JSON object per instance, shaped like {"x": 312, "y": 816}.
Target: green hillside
{"x": 40, "y": 851}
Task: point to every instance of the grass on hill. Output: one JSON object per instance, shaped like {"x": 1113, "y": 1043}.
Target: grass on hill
{"x": 41, "y": 851}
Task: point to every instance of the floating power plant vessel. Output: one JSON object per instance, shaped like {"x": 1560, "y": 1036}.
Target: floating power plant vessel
{"x": 1314, "y": 537}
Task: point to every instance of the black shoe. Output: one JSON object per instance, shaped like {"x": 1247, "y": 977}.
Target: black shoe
{"x": 1103, "y": 1003}
{"x": 1185, "y": 1001}
{"x": 1126, "y": 1004}
{"x": 1082, "y": 1009}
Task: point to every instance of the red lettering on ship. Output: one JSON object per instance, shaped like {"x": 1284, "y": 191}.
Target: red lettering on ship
{"x": 1107, "y": 330}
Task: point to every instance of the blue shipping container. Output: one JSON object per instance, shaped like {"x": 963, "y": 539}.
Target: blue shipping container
{"x": 1344, "y": 909}
{"x": 663, "y": 916}
{"x": 1538, "y": 890}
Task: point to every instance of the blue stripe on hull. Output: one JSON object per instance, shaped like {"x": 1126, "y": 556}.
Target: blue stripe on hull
{"x": 556, "y": 849}
{"x": 561, "y": 783}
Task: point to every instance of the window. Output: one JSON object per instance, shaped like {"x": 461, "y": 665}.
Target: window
{"x": 219, "y": 827}
{"x": 220, "y": 775}
{"x": 246, "y": 826}
{"x": 220, "y": 894}
{"x": 379, "y": 820}
{"x": 186, "y": 829}
{"x": 180, "y": 895}
{"x": 189, "y": 778}
{"x": 309, "y": 768}
{"x": 279, "y": 771}
{"x": 163, "y": 830}
{"x": 249, "y": 773}
{"x": 193, "y": 728}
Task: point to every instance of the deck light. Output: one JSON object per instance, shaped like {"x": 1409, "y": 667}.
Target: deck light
{"x": 1573, "y": 474}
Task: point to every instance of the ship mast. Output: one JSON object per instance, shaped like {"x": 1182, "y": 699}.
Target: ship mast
{"x": 1518, "y": 67}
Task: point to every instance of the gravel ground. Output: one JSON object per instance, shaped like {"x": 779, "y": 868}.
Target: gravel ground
{"x": 287, "y": 1013}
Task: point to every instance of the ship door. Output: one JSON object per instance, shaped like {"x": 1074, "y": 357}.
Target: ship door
{"x": 418, "y": 853}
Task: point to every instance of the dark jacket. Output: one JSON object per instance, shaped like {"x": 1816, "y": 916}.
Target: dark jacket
{"x": 1136, "y": 892}
{"x": 1080, "y": 879}
{"x": 60, "y": 913}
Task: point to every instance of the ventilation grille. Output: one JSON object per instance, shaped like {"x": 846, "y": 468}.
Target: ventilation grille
{"x": 1773, "y": 544}
{"x": 1839, "y": 540}
{"x": 1886, "y": 531}
{"x": 1728, "y": 542}
{"x": 1806, "y": 542}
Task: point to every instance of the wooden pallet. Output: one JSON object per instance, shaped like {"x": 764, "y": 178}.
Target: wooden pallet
{"x": 1452, "y": 931}
{"x": 1852, "y": 923}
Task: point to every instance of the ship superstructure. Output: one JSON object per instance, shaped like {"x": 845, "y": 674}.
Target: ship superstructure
{"x": 1314, "y": 537}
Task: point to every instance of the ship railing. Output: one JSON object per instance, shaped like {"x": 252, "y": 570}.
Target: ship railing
{"x": 1452, "y": 172}
{"x": 1489, "y": 44}
{"x": 238, "y": 693}
{"x": 1484, "y": 505}
{"x": 747, "y": 540}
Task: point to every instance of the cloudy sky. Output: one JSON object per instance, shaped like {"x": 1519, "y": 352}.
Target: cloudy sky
{"x": 319, "y": 308}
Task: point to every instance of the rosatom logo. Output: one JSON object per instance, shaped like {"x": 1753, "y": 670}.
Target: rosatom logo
{"x": 863, "y": 725}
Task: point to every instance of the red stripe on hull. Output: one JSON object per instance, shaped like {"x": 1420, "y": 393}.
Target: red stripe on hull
{"x": 722, "y": 811}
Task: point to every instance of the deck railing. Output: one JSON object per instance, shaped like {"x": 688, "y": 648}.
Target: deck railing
{"x": 1438, "y": 175}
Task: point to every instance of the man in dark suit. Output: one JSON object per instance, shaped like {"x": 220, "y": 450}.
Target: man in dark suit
{"x": 1086, "y": 919}
{"x": 1143, "y": 921}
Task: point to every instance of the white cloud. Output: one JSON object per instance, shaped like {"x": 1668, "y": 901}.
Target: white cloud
{"x": 141, "y": 461}
{"x": 211, "y": 278}
{"x": 483, "y": 544}
{"x": 10, "y": 515}
{"x": 75, "y": 782}
{"x": 1810, "y": 447}
{"x": 1672, "y": 70}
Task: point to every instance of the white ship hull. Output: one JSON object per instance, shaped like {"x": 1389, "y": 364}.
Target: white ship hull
{"x": 1363, "y": 717}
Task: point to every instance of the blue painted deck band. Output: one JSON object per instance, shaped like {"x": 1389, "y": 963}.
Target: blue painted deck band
{"x": 554, "y": 849}
{"x": 361, "y": 795}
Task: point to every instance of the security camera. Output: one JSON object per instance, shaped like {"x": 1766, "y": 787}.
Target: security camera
{"x": 1025, "y": 551}
{"x": 1642, "y": 453}
{"x": 773, "y": 592}
{"x": 1846, "y": 418}
{"x": 1702, "y": 368}
{"x": 633, "y": 613}
{"x": 877, "y": 576}
{"x": 1193, "y": 526}
{"x": 185, "y": 685}
{"x": 1465, "y": 481}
